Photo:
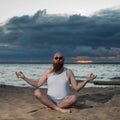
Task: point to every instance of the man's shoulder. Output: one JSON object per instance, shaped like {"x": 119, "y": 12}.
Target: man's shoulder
{"x": 49, "y": 70}
{"x": 68, "y": 70}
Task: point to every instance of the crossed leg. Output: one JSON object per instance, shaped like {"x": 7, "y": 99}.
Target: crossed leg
{"x": 44, "y": 99}
{"x": 67, "y": 102}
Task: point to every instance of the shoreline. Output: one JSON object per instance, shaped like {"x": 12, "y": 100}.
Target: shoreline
{"x": 101, "y": 103}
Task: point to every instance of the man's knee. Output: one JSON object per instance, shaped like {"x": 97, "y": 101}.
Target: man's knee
{"x": 37, "y": 93}
{"x": 74, "y": 98}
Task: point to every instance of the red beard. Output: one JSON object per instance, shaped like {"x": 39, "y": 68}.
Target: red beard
{"x": 57, "y": 66}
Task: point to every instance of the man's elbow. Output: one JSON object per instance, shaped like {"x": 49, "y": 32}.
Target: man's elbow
{"x": 37, "y": 85}
{"x": 76, "y": 89}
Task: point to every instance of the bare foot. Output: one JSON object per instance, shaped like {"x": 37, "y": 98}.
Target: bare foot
{"x": 60, "y": 110}
{"x": 64, "y": 110}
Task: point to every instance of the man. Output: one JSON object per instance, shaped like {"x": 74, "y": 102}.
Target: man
{"x": 58, "y": 79}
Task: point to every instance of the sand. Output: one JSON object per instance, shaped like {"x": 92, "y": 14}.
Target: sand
{"x": 18, "y": 103}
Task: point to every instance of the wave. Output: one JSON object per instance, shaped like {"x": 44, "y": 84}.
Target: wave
{"x": 115, "y": 78}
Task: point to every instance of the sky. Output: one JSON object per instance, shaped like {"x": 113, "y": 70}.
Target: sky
{"x": 83, "y": 30}
{"x": 10, "y": 8}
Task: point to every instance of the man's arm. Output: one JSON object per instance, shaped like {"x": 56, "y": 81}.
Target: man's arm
{"x": 78, "y": 86}
{"x": 36, "y": 84}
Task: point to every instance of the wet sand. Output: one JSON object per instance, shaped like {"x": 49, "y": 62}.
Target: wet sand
{"x": 18, "y": 103}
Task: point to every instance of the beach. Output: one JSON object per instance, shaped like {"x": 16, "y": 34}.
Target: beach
{"x": 94, "y": 103}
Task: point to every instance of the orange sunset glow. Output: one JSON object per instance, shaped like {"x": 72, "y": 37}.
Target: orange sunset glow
{"x": 84, "y": 61}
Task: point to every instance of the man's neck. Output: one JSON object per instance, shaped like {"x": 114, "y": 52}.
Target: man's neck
{"x": 60, "y": 71}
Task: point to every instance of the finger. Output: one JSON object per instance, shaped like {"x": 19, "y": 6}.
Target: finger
{"x": 94, "y": 76}
{"x": 91, "y": 74}
{"x": 17, "y": 75}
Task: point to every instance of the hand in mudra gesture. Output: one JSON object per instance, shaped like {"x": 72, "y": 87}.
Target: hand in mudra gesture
{"x": 91, "y": 77}
{"x": 20, "y": 75}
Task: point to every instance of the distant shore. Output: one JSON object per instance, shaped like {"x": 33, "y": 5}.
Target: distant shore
{"x": 49, "y": 62}
{"x": 93, "y": 104}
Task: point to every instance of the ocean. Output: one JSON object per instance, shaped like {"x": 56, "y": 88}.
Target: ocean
{"x": 104, "y": 72}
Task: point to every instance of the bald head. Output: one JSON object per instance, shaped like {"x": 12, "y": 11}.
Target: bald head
{"x": 58, "y": 54}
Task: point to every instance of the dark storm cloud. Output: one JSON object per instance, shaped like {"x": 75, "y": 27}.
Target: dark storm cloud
{"x": 42, "y": 34}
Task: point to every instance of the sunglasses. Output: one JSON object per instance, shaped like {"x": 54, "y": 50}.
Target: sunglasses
{"x": 60, "y": 58}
